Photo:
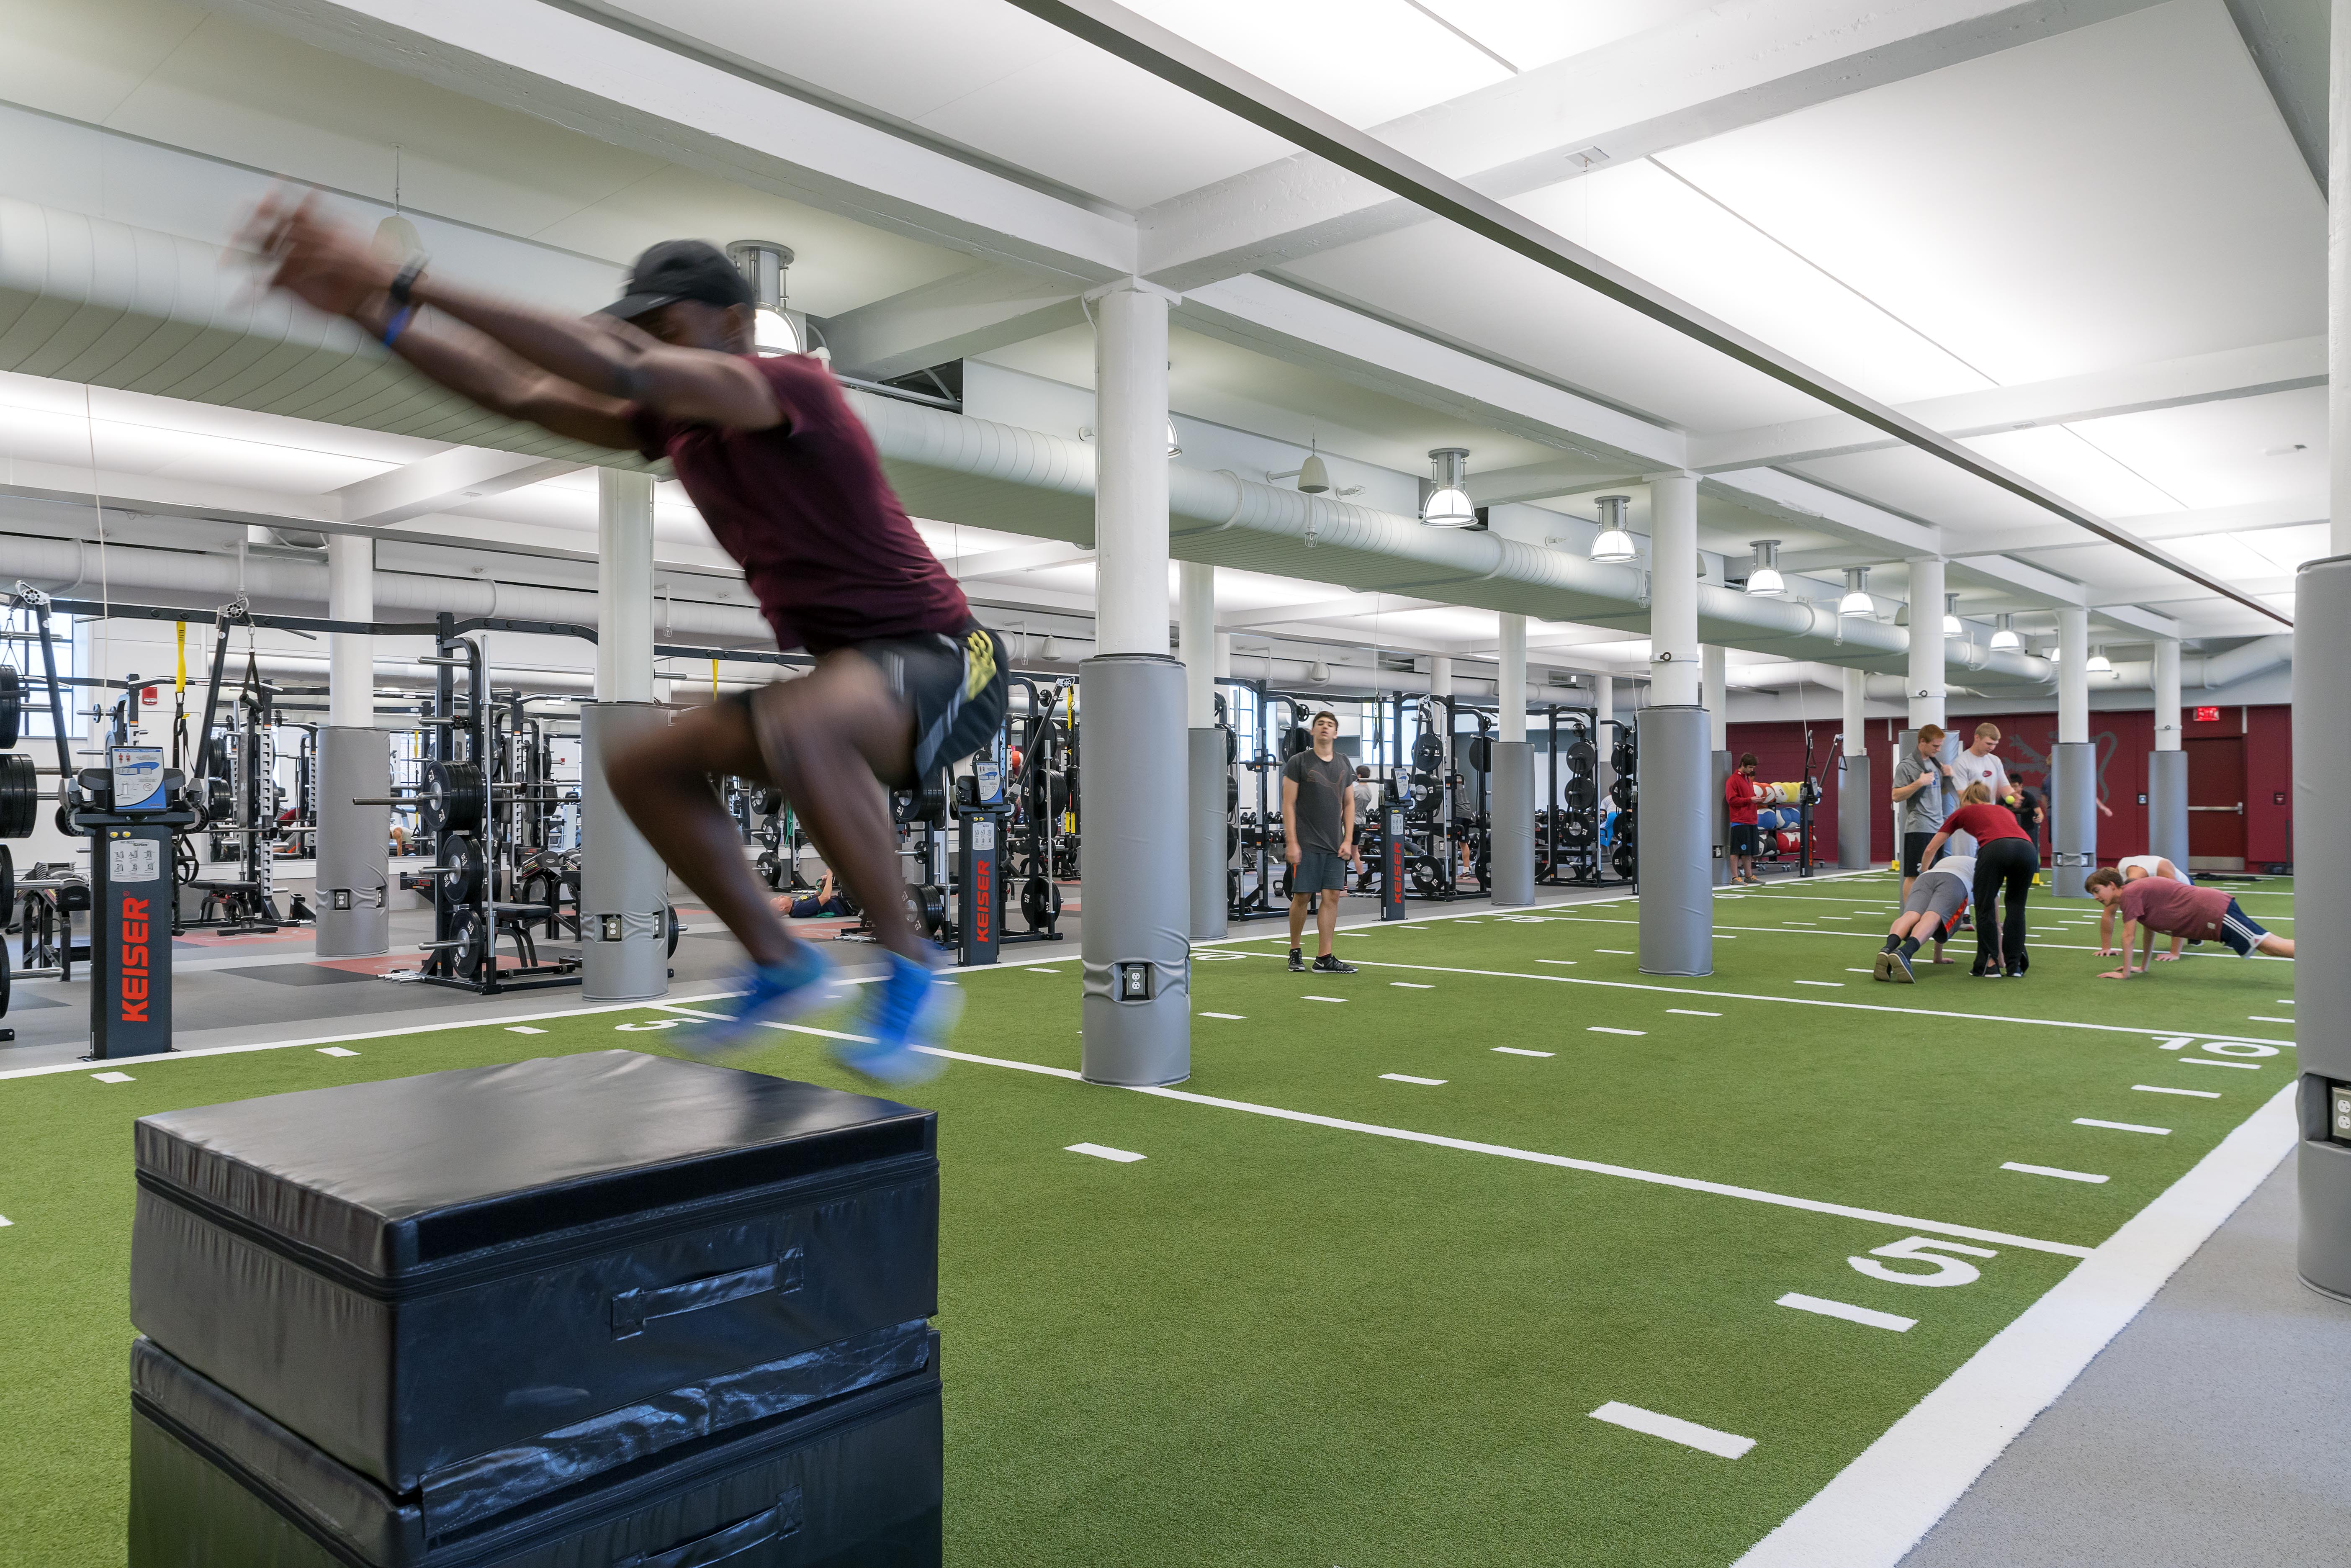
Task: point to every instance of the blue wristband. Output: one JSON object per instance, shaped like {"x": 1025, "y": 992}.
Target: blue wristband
{"x": 398, "y": 324}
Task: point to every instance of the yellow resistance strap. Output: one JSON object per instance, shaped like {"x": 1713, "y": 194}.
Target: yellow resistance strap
{"x": 182, "y": 684}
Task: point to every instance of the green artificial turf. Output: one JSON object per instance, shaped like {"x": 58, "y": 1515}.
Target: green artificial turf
{"x": 1278, "y": 1342}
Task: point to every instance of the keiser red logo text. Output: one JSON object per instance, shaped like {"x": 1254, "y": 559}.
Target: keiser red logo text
{"x": 131, "y": 987}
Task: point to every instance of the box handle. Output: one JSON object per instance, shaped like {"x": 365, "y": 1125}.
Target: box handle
{"x": 632, "y": 1309}
{"x": 733, "y": 1540}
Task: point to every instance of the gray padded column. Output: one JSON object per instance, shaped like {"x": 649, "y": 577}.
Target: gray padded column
{"x": 1720, "y": 816}
{"x": 1209, "y": 777}
{"x": 1138, "y": 993}
{"x": 2322, "y": 855}
{"x": 1855, "y": 810}
{"x": 2075, "y": 813}
{"x": 1510, "y": 841}
{"x": 623, "y": 887}
{"x": 1676, "y": 891}
{"x": 354, "y": 878}
{"x": 2166, "y": 806}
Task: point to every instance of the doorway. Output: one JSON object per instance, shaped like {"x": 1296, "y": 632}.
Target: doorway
{"x": 2216, "y": 802}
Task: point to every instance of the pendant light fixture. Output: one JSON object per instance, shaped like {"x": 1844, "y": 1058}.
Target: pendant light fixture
{"x": 1856, "y": 601}
{"x": 2004, "y": 640}
{"x": 1614, "y": 546}
{"x": 1764, "y": 581}
{"x": 762, "y": 262}
{"x": 1449, "y": 504}
{"x": 2099, "y": 665}
{"x": 1952, "y": 626}
{"x": 1313, "y": 478}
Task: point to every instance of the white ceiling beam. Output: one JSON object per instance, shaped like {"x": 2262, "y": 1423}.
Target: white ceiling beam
{"x": 1326, "y": 609}
{"x": 2132, "y": 618}
{"x": 2173, "y": 383}
{"x": 1817, "y": 507}
{"x": 1272, "y": 319}
{"x": 951, "y": 319}
{"x": 2254, "y": 516}
{"x": 634, "y": 89}
{"x": 444, "y": 480}
{"x": 1724, "y": 68}
{"x": 2013, "y": 577}
{"x": 1016, "y": 558}
{"x": 2176, "y": 593}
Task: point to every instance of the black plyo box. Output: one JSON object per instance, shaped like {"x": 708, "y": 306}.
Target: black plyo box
{"x": 853, "y": 1482}
{"x": 415, "y": 1273}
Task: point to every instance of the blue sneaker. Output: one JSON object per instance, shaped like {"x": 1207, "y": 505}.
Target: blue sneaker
{"x": 908, "y": 1009}
{"x": 772, "y": 993}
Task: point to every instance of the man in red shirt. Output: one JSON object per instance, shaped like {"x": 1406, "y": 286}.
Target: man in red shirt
{"x": 1739, "y": 795}
{"x": 2177, "y": 909}
{"x": 781, "y": 469}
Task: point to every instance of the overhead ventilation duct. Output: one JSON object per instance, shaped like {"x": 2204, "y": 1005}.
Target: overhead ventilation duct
{"x": 91, "y": 300}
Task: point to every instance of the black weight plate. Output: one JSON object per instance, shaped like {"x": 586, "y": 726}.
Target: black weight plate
{"x": 1625, "y": 862}
{"x": 20, "y": 796}
{"x": 12, "y": 706}
{"x": 1580, "y": 792}
{"x": 1427, "y": 753}
{"x": 1621, "y": 792}
{"x": 464, "y": 884}
{"x": 768, "y": 802}
{"x": 1480, "y": 753}
{"x": 454, "y": 798}
{"x": 7, "y": 889}
{"x": 1581, "y": 755}
{"x": 1040, "y": 903}
{"x": 6, "y": 984}
{"x": 1620, "y": 757}
{"x": 1232, "y": 841}
{"x": 933, "y": 903}
{"x": 1427, "y": 875}
{"x": 1294, "y": 741}
{"x": 676, "y": 930}
{"x": 1232, "y": 747}
{"x": 1232, "y": 792}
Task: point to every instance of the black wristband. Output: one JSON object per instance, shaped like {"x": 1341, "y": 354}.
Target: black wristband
{"x": 404, "y": 282}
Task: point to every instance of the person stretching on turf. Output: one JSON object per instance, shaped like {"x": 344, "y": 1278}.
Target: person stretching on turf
{"x": 1740, "y": 793}
{"x": 906, "y": 682}
{"x": 2005, "y": 860}
{"x": 1318, "y": 820}
{"x": 2134, "y": 867}
{"x": 2158, "y": 903}
{"x": 1931, "y": 913}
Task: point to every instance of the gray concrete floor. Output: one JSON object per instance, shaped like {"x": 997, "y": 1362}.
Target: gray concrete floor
{"x": 2214, "y": 1432}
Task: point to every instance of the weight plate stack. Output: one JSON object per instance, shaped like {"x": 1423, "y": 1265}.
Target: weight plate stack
{"x": 464, "y": 884}
{"x": 7, "y": 891}
{"x": 1582, "y": 756}
{"x": 12, "y": 706}
{"x": 20, "y": 796}
{"x": 1428, "y": 754}
{"x": 455, "y": 797}
{"x": 1040, "y": 903}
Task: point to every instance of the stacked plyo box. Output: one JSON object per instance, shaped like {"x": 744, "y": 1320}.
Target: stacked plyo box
{"x": 606, "y": 1310}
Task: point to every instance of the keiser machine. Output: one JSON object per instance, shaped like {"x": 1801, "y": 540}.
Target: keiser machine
{"x": 129, "y": 811}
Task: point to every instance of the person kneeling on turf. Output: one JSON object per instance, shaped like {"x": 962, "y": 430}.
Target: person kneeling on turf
{"x": 2158, "y": 903}
{"x": 1931, "y": 913}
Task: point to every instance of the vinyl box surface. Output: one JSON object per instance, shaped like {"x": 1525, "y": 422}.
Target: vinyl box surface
{"x": 415, "y": 1273}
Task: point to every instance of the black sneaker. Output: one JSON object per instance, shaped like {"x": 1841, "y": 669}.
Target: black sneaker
{"x": 1330, "y": 964}
{"x": 1297, "y": 961}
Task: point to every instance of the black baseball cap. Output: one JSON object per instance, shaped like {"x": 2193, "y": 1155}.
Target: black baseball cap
{"x": 679, "y": 269}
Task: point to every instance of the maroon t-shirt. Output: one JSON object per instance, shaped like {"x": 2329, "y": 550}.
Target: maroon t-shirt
{"x": 824, "y": 544}
{"x": 1985, "y": 824}
{"x": 2173, "y": 908}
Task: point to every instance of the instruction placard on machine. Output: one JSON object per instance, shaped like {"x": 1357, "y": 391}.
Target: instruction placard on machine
{"x": 133, "y": 860}
{"x": 136, "y": 784}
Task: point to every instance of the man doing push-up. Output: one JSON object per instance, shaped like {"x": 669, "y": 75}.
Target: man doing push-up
{"x": 2158, "y": 903}
{"x": 787, "y": 477}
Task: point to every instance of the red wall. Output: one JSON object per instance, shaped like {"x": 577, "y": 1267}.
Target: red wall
{"x": 2123, "y": 740}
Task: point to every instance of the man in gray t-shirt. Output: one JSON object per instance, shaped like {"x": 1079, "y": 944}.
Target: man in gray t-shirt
{"x": 1918, "y": 789}
{"x": 1318, "y": 823}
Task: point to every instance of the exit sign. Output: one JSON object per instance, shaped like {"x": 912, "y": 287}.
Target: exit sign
{"x": 2208, "y": 716}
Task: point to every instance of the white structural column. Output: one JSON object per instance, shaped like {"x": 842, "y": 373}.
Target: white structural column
{"x": 2167, "y": 767}
{"x": 2322, "y": 750}
{"x": 1510, "y": 844}
{"x": 1211, "y": 774}
{"x": 1677, "y": 803}
{"x": 1927, "y": 687}
{"x": 1603, "y": 738}
{"x": 354, "y": 763}
{"x": 1855, "y": 805}
{"x": 1136, "y": 1006}
{"x": 1714, "y": 684}
{"x": 2073, "y": 780}
{"x": 623, "y": 887}
{"x": 1440, "y": 675}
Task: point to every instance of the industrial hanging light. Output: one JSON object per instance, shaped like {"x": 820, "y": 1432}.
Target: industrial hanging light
{"x": 762, "y": 263}
{"x": 1313, "y": 478}
{"x": 1449, "y": 504}
{"x": 2004, "y": 640}
{"x": 2098, "y": 665}
{"x": 1856, "y": 600}
{"x": 1765, "y": 581}
{"x": 1174, "y": 447}
{"x": 1613, "y": 546}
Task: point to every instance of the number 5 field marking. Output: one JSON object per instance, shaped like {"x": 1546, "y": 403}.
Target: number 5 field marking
{"x": 1924, "y": 1249}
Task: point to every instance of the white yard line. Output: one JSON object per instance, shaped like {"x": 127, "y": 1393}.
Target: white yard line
{"x": 2192, "y": 1093}
{"x": 1521, "y": 1050}
{"x": 1847, "y": 1310}
{"x": 1880, "y": 1505}
{"x": 1797, "y": 930}
{"x": 2120, "y": 1126}
{"x": 1408, "y": 1078}
{"x": 1100, "y": 1152}
{"x": 2054, "y": 1171}
{"x": 1674, "y": 1429}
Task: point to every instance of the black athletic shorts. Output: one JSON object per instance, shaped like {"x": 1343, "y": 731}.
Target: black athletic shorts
{"x": 1742, "y": 839}
{"x": 953, "y": 688}
{"x": 1913, "y": 846}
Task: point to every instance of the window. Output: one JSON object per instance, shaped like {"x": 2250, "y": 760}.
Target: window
{"x": 20, "y": 645}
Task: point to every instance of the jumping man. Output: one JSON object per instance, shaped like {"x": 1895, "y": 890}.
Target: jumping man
{"x": 905, "y": 680}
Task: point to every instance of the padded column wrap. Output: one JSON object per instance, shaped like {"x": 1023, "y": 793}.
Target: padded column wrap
{"x": 619, "y": 874}
{"x": 1209, "y": 819}
{"x": 1855, "y": 810}
{"x": 1133, "y": 792}
{"x": 1677, "y": 841}
{"x": 1720, "y": 812}
{"x": 1510, "y": 841}
{"x": 2075, "y": 816}
{"x": 2166, "y": 806}
{"x": 2322, "y": 863}
{"x": 352, "y": 854}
